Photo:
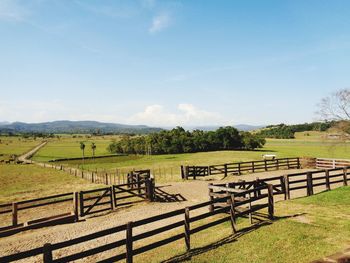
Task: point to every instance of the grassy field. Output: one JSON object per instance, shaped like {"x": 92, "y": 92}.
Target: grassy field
{"x": 30, "y": 181}
{"x": 305, "y": 229}
{"x": 15, "y": 145}
{"x": 69, "y": 147}
{"x": 167, "y": 167}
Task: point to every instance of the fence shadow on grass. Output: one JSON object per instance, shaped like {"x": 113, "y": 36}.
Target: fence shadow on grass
{"x": 230, "y": 239}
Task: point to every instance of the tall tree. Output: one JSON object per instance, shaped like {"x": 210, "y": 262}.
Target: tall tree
{"x": 336, "y": 107}
{"x": 82, "y": 147}
{"x": 93, "y": 147}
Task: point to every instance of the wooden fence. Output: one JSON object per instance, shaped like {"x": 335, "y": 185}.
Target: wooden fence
{"x": 326, "y": 163}
{"x": 284, "y": 185}
{"x": 237, "y": 208}
{"x": 43, "y": 202}
{"x": 240, "y": 167}
{"x": 82, "y": 204}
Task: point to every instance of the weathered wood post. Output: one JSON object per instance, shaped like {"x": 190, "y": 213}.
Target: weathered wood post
{"x": 328, "y": 186}
{"x": 14, "y": 214}
{"x": 76, "y": 206}
{"x": 270, "y": 201}
{"x": 277, "y": 164}
{"x": 265, "y": 165}
{"x": 283, "y": 186}
{"x": 47, "y": 253}
{"x": 288, "y": 167}
{"x": 81, "y": 203}
{"x": 239, "y": 168}
{"x": 187, "y": 229}
{"x": 113, "y": 204}
{"x": 211, "y": 197}
{"x": 182, "y": 172}
{"x": 138, "y": 183}
{"x": 225, "y": 169}
{"x": 298, "y": 163}
{"x": 129, "y": 250}
{"x": 186, "y": 172}
{"x": 286, "y": 187}
{"x": 345, "y": 176}
{"x": 106, "y": 178}
{"x": 233, "y": 213}
{"x": 310, "y": 190}
{"x": 250, "y": 209}
{"x": 150, "y": 189}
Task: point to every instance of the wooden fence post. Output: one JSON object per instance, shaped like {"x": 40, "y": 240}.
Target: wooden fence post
{"x": 328, "y": 186}
{"x": 270, "y": 201}
{"x": 253, "y": 167}
{"x": 182, "y": 172}
{"x": 186, "y": 172}
{"x": 310, "y": 190}
{"x": 277, "y": 164}
{"x": 265, "y": 165}
{"x": 345, "y": 175}
{"x": 211, "y": 198}
{"x": 298, "y": 161}
{"x": 250, "y": 209}
{"x": 129, "y": 252}
{"x": 47, "y": 253}
{"x": 76, "y": 206}
{"x": 233, "y": 213}
{"x": 14, "y": 214}
{"x": 150, "y": 189}
{"x": 286, "y": 187}
{"x": 81, "y": 203}
{"x": 225, "y": 169}
{"x": 239, "y": 168}
{"x": 187, "y": 229}
{"x": 113, "y": 205}
{"x": 138, "y": 183}
{"x": 106, "y": 180}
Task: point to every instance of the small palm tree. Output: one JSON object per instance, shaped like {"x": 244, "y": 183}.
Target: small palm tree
{"x": 93, "y": 147}
{"x": 82, "y": 147}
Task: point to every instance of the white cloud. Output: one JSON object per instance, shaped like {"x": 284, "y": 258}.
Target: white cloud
{"x": 159, "y": 23}
{"x": 11, "y": 10}
{"x": 186, "y": 114}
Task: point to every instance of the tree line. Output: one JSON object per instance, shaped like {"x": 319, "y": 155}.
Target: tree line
{"x": 178, "y": 140}
{"x": 283, "y": 131}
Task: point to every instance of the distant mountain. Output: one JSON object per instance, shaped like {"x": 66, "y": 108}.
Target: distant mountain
{"x": 75, "y": 127}
{"x": 2, "y": 123}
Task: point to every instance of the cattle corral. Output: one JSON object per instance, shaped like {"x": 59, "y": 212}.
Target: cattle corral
{"x": 176, "y": 206}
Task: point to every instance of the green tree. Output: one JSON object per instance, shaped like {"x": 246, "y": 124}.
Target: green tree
{"x": 82, "y": 147}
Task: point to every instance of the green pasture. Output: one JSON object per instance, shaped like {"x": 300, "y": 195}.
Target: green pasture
{"x": 20, "y": 182}
{"x": 167, "y": 167}
{"x": 15, "y": 145}
{"x": 305, "y": 229}
{"x": 69, "y": 147}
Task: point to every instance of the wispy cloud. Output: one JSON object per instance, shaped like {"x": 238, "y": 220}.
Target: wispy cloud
{"x": 159, "y": 23}
{"x": 12, "y": 10}
{"x": 186, "y": 114}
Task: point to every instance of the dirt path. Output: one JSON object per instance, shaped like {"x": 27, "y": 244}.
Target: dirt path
{"x": 25, "y": 157}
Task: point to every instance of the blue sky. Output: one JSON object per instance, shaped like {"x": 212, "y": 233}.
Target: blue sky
{"x": 166, "y": 63}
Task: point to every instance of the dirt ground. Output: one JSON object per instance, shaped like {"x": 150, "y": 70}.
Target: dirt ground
{"x": 176, "y": 196}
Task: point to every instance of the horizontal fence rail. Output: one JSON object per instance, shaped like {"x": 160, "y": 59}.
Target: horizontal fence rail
{"x": 240, "y": 167}
{"x": 183, "y": 218}
{"x": 326, "y": 163}
{"x": 78, "y": 204}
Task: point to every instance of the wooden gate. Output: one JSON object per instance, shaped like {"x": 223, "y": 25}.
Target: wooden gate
{"x": 95, "y": 201}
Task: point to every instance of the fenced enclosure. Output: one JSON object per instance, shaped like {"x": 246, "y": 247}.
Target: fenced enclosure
{"x": 240, "y": 167}
{"x": 326, "y": 163}
{"x": 183, "y": 218}
{"x": 49, "y": 210}
{"x": 68, "y": 207}
{"x": 284, "y": 185}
